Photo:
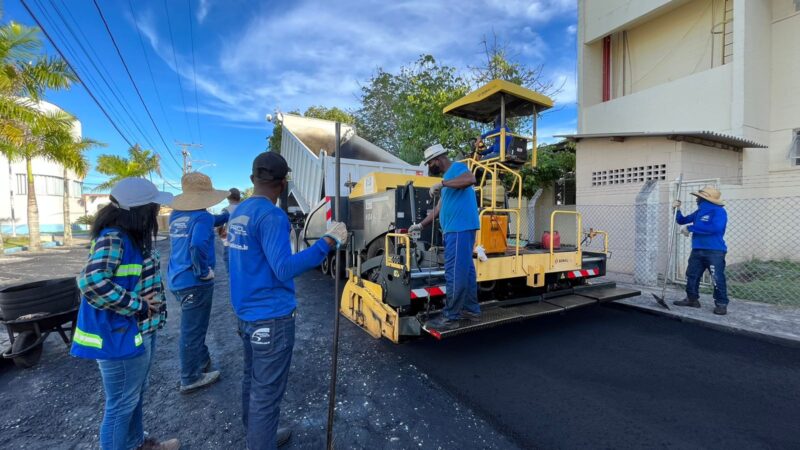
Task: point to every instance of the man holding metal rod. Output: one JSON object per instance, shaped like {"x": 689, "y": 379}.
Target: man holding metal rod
{"x": 458, "y": 213}
{"x": 262, "y": 269}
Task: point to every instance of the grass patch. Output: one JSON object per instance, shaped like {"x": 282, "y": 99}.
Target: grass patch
{"x": 15, "y": 241}
{"x": 773, "y": 282}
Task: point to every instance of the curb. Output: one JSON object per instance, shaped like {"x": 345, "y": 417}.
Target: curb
{"x": 772, "y": 338}
{"x": 50, "y": 244}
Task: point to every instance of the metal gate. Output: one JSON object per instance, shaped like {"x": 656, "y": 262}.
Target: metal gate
{"x": 683, "y": 245}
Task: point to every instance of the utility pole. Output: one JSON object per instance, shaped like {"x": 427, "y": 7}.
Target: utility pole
{"x": 187, "y": 161}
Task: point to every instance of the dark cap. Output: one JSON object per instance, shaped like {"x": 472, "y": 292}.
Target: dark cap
{"x": 269, "y": 166}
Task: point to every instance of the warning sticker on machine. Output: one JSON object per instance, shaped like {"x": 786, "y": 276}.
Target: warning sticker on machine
{"x": 369, "y": 185}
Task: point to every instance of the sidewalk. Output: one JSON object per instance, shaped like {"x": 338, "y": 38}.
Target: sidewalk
{"x": 760, "y": 320}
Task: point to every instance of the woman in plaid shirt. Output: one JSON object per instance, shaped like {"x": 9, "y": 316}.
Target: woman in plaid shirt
{"x": 127, "y": 285}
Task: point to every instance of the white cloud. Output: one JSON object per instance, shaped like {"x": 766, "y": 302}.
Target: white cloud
{"x": 568, "y": 93}
{"x": 572, "y": 29}
{"x": 315, "y": 52}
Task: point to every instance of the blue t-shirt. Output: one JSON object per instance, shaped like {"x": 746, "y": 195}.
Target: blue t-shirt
{"x": 191, "y": 236}
{"x": 459, "y": 210}
{"x": 262, "y": 266}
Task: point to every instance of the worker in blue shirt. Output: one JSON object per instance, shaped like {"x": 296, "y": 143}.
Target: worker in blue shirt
{"x": 493, "y": 151}
{"x": 706, "y": 226}
{"x": 262, "y": 268}
{"x": 191, "y": 274}
{"x": 458, "y": 213}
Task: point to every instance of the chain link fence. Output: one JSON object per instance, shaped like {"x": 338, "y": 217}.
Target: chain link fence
{"x": 763, "y": 259}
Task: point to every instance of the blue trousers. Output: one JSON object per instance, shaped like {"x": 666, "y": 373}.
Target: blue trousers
{"x": 124, "y": 384}
{"x": 195, "y": 314}
{"x": 459, "y": 274}
{"x": 699, "y": 261}
{"x": 267, "y": 348}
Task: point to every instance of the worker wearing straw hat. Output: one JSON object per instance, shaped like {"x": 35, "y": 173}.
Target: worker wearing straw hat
{"x": 706, "y": 226}
{"x": 191, "y": 274}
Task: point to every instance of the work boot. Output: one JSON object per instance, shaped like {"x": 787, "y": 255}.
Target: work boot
{"x": 721, "y": 310}
{"x": 205, "y": 380}
{"x": 441, "y": 323}
{"x": 470, "y": 316}
{"x": 687, "y": 302}
{"x": 152, "y": 444}
{"x": 283, "y": 436}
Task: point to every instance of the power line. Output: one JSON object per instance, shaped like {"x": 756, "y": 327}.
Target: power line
{"x": 150, "y": 70}
{"x": 116, "y": 47}
{"x": 177, "y": 70}
{"x": 88, "y": 91}
{"x": 194, "y": 73}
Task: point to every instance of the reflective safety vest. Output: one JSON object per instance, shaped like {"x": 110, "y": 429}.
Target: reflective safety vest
{"x": 103, "y": 333}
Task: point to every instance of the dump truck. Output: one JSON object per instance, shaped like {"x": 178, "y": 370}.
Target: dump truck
{"x": 396, "y": 284}
{"x": 309, "y": 147}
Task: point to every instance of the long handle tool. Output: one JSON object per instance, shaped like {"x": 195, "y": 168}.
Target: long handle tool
{"x": 670, "y": 241}
{"x": 337, "y": 268}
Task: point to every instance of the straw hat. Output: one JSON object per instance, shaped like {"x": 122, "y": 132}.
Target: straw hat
{"x": 711, "y": 194}
{"x": 198, "y": 193}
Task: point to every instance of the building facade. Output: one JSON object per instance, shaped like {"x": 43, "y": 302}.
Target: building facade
{"x": 49, "y": 184}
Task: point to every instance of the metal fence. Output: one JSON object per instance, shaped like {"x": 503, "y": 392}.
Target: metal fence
{"x": 763, "y": 259}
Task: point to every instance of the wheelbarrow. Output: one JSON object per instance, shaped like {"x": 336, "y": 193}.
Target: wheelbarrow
{"x": 31, "y": 311}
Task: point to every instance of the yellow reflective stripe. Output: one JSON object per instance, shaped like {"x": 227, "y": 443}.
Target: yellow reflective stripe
{"x": 87, "y": 339}
{"x": 129, "y": 270}
{"x": 137, "y": 339}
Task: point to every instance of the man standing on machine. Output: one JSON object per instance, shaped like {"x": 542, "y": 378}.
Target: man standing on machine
{"x": 458, "y": 213}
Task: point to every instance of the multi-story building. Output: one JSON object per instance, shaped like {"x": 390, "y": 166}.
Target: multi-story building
{"x": 707, "y": 88}
{"x": 49, "y": 184}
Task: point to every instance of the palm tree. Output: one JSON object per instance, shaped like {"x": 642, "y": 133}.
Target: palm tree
{"x": 140, "y": 163}
{"x": 72, "y": 157}
{"x": 26, "y": 130}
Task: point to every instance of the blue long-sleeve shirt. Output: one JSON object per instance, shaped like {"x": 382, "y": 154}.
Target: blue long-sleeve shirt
{"x": 262, "y": 265}
{"x": 708, "y": 225}
{"x": 495, "y": 147}
{"x": 191, "y": 235}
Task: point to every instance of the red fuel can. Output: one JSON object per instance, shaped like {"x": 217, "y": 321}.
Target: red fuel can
{"x": 546, "y": 240}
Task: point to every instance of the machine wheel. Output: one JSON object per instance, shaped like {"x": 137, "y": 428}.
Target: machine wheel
{"x": 31, "y": 357}
{"x": 325, "y": 267}
{"x": 334, "y": 270}
{"x": 376, "y": 248}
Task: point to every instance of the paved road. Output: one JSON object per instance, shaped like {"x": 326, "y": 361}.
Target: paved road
{"x": 608, "y": 377}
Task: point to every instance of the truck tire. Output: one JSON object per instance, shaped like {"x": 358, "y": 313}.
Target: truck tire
{"x": 325, "y": 267}
{"x": 341, "y": 271}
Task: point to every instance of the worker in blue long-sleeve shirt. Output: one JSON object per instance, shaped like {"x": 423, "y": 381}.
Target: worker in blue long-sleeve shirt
{"x": 262, "y": 268}
{"x": 191, "y": 274}
{"x": 706, "y": 226}
{"x": 493, "y": 151}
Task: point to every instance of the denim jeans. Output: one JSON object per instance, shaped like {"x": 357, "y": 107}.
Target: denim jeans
{"x": 714, "y": 261}
{"x": 195, "y": 314}
{"x": 267, "y": 356}
{"x": 124, "y": 383}
{"x": 459, "y": 274}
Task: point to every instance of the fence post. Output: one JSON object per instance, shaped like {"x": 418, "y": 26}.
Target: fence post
{"x": 645, "y": 269}
{"x": 532, "y": 215}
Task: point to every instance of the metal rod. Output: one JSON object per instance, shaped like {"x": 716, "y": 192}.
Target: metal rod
{"x": 671, "y": 238}
{"x": 338, "y": 256}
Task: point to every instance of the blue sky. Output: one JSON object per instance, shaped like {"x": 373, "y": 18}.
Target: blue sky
{"x": 251, "y": 58}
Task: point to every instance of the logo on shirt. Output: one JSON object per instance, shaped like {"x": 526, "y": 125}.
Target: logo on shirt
{"x": 706, "y": 218}
{"x": 237, "y": 232}
{"x": 179, "y": 228}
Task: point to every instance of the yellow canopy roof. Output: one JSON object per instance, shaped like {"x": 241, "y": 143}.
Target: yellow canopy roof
{"x": 483, "y": 104}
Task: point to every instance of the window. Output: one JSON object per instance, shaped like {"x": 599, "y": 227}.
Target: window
{"x": 48, "y": 185}
{"x": 630, "y": 175}
{"x": 22, "y": 184}
{"x": 565, "y": 190}
{"x": 77, "y": 189}
{"x": 794, "y": 152}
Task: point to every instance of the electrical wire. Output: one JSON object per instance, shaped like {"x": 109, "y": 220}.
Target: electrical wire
{"x": 88, "y": 91}
{"x": 194, "y": 73}
{"x": 135, "y": 87}
{"x": 177, "y": 70}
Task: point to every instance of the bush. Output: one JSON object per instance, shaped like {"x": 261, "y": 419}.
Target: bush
{"x": 85, "y": 220}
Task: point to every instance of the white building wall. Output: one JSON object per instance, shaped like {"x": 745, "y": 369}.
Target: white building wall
{"x": 51, "y": 210}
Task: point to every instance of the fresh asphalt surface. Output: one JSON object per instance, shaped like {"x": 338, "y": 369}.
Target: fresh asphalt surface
{"x": 608, "y": 377}
{"x": 602, "y": 377}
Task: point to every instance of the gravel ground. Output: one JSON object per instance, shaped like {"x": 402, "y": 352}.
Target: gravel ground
{"x": 383, "y": 400}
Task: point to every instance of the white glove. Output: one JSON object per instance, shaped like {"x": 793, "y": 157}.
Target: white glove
{"x": 676, "y": 204}
{"x": 210, "y": 275}
{"x": 435, "y": 189}
{"x": 685, "y": 231}
{"x": 338, "y": 232}
{"x": 416, "y": 228}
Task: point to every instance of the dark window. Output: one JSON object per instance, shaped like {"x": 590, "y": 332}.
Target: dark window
{"x": 565, "y": 191}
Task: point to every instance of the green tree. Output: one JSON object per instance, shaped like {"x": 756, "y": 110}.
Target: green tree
{"x": 554, "y": 162}
{"x": 72, "y": 156}
{"x": 27, "y": 131}
{"x": 403, "y": 113}
{"x": 140, "y": 163}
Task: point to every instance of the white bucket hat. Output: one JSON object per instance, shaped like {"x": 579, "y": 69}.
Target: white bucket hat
{"x": 132, "y": 192}
{"x": 432, "y": 152}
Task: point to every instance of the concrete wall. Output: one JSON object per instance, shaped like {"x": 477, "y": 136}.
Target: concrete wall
{"x": 784, "y": 87}
{"x": 603, "y": 17}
